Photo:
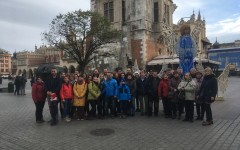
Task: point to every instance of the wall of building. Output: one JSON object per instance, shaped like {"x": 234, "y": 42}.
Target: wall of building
{"x": 5, "y": 63}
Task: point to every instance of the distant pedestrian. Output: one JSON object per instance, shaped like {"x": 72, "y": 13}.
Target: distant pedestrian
{"x": 17, "y": 83}
{"x": 39, "y": 97}
{"x": 23, "y": 81}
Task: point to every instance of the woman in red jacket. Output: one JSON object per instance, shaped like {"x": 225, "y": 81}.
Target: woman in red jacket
{"x": 163, "y": 89}
{"x": 39, "y": 97}
{"x": 66, "y": 94}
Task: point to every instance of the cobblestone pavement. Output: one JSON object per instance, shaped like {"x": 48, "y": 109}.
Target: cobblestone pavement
{"x": 19, "y": 130}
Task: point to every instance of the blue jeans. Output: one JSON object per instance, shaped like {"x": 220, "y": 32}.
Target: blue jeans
{"x": 67, "y": 107}
{"x": 131, "y": 106}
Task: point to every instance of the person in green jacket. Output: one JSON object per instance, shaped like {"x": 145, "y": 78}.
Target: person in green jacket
{"x": 93, "y": 94}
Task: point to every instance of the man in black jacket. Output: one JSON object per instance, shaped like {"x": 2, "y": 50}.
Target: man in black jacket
{"x": 142, "y": 91}
{"x": 153, "y": 94}
{"x": 52, "y": 87}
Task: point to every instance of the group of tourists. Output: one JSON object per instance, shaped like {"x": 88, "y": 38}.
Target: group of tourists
{"x": 121, "y": 94}
{"x": 20, "y": 84}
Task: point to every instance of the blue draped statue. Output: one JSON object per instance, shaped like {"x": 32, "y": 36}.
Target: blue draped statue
{"x": 186, "y": 50}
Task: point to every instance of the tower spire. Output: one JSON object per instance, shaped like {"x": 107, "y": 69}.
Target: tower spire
{"x": 199, "y": 15}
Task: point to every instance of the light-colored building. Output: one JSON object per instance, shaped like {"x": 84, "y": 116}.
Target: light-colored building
{"x": 5, "y": 62}
{"x": 27, "y": 62}
{"x": 142, "y": 22}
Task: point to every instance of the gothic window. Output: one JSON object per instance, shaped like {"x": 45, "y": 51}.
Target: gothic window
{"x": 166, "y": 14}
{"x": 109, "y": 11}
{"x": 156, "y": 12}
{"x": 123, "y": 11}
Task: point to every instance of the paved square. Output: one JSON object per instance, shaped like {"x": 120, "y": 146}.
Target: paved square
{"x": 19, "y": 131}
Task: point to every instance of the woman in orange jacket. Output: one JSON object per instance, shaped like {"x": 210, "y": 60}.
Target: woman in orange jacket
{"x": 66, "y": 94}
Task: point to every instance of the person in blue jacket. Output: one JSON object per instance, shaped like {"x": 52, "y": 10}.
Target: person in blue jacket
{"x": 110, "y": 91}
{"x": 124, "y": 96}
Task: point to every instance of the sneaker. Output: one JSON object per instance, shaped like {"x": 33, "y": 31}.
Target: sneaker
{"x": 207, "y": 123}
{"x": 185, "y": 119}
{"x": 67, "y": 119}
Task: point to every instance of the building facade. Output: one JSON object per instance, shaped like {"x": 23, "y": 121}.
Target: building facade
{"x": 5, "y": 62}
{"x": 141, "y": 22}
{"x": 198, "y": 32}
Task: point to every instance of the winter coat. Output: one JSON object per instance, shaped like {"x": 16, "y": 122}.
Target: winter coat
{"x": 153, "y": 86}
{"x": 208, "y": 89}
{"x": 124, "y": 92}
{"x": 142, "y": 86}
{"x": 111, "y": 87}
{"x": 93, "y": 91}
{"x": 174, "y": 85}
{"x": 53, "y": 85}
{"x": 79, "y": 91}
{"x": 198, "y": 84}
{"x": 38, "y": 92}
{"x": 163, "y": 88}
{"x": 66, "y": 91}
{"x": 189, "y": 89}
{"x": 132, "y": 86}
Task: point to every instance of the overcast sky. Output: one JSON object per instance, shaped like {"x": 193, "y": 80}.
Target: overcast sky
{"x": 23, "y": 21}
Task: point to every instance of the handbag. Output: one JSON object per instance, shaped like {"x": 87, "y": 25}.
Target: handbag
{"x": 181, "y": 94}
{"x": 170, "y": 94}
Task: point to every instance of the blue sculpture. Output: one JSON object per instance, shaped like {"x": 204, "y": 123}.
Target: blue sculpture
{"x": 186, "y": 49}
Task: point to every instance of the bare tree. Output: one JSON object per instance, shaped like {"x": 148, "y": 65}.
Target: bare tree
{"x": 80, "y": 34}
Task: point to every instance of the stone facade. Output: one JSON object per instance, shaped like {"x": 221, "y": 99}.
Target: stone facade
{"x": 141, "y": 23}
{"x": 5, "y": 62}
